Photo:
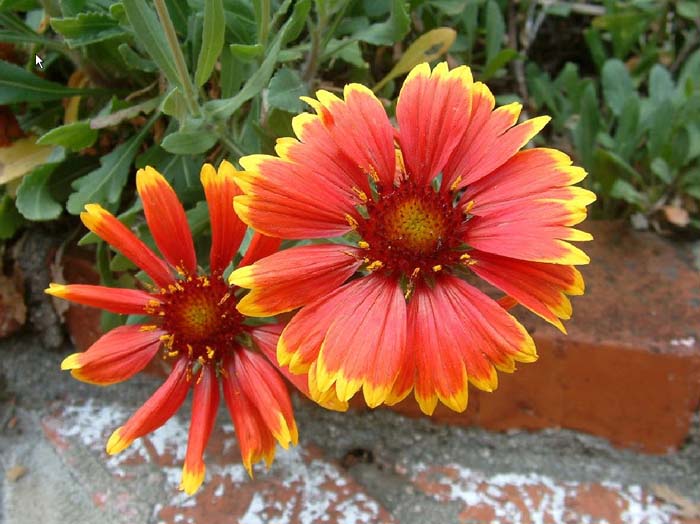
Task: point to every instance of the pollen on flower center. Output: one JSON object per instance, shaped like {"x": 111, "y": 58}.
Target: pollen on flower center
{"x": 411, "y": 227}
{"x": 200, "y": 316}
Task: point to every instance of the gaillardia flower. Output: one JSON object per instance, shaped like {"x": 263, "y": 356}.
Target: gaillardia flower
{"x": 419, "y": 209}
{"x": 194, "y": 323}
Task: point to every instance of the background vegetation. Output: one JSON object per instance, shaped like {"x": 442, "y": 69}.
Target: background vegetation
{"x": 174, "y": 83}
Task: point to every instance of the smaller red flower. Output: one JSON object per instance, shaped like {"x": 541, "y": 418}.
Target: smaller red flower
{"x": 195, "y": 325}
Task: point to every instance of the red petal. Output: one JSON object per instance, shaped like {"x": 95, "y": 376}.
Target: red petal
{"x": 287, "y": 200}
{"x": 260, "y": 246}
{"x": 431, "y": 112}
{"x": 116, "y": 300}
{"x": 440, "y": 367}
{"x": 360, "y": 128}
{"x": 205, "y": 403}
{"x": 116, "y": 356}
{"x": 490, "y": 139}
{"x": 156, "y": 411}
{"x": 254, "y": 438}
{"x": 108, "y": 228}
{"x": 294, "y": 277}
{"x": 364, "y": 345}
{"x": 266, "y": 338}
{"x": 167, "y": 220}
{"x": 227, "y": 230}
{"x": 267, "y": 392}
{"x": 542, "y": 288}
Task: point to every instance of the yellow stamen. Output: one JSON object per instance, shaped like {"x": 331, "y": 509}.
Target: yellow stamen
{"x": 360, "y": 194}
{"x": 456, "y": 183}
{"x": 363, "y": 245}
{"x": 415, "y": 273}
{"x": 149, "y": 327}
{"x": 377, "y": 264}
{"x": 210, "y": 353}
{"x": 469, "y": 206}
{"x": 437, "y": 267}
{"x": 351, "y": 221}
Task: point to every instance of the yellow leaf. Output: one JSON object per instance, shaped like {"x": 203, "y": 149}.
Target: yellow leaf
{"x": 426, "y": 47}
{"x": 22, "y": 157}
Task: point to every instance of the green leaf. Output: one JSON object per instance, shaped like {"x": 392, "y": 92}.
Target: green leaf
{"x": 19, "y": 85}
{"x": 451, "y": 7}
{"x": 587, "y": 129}
{"x": 617, "y": 85}
{"x": 34, "y": 199}
{"x": 246, "y": 51}
{"x": 426, "y": 48}
{"x": 623, "y": 190}
{"x": 87, "y": 28}
{"x": 18, "y": 5}
{"x": 75, "y": 136}
{"x": 497, "y": 62}
{"x": 391, "y": 31}
{"x": 595, "y": 46}
{"x": 627, "y": 132}
{"x": 104, "y": 185}
{"x": 191, "y": 142}
{"x": 689, "y": 10}
{"x": 149, "y": 34}
{"x": 285, "y": 89}
{"x": 259, "y": 80}
{"x": 470, "y": 22}
{"x": 10, "y": 219}
{"x": 136, "y": 61}
{"x": 174, "y": 105}
{"x": 495, "y": 30}
{"x": 662, "y": 170}
{"x": 660, "y": 83}
{"x": 212, "y": 40}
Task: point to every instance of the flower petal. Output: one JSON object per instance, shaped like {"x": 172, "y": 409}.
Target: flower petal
{"x": 542, "y": 288}
{"x": 205, "y": 403}
{"x": 294, "y": 277}
{"x": 116, "y": 300}
{"x": 227, "y": 230}
{"x": 260, "y": 246}
{"x": 266, "y": 391}
{"x": 116, "y": 356}
{"x": 254, "y": 438}
{"x": 108, "y": 228}
{"x": 266, "y": 338}
{"x": 167, "y": 220}
{"x": 359, "y": 126}
{"x": 365, "y": 344}
{"x": 528, "y": 174}
{"x": 287, "y": 200}
{"x": 156, "y": 411}
{"x": 431, "y": 112}
{"x": 490, "y": 140}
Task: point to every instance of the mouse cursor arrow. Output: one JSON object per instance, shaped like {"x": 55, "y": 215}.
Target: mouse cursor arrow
{"x": 39, "y": 61}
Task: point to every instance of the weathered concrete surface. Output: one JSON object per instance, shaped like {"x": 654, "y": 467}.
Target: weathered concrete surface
{"x": 370, "y": 467}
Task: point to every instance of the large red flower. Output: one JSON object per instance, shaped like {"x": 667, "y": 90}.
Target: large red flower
{"x": 194, "y": 324}
{"x": 419, "y": 209}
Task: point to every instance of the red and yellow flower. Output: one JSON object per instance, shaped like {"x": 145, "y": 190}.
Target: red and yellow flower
{"x": 193, "y": 323}
{"x": 419, "y": 210}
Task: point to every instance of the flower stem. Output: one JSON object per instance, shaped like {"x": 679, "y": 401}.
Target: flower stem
{"x": 169, "y": 29}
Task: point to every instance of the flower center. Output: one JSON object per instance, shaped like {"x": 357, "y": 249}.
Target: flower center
{"x": 200, "y": 316}
{"x": 412, "y": 228}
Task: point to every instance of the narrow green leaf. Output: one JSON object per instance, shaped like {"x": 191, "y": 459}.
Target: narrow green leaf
{"x": 391, "y": 31}
{"x": 623, "y": 190}
{"x": 246, "y": 51}
{"x": 104, "y": 185}
{"x": 34, "y": 199}
{"x": 19, "y": 85}
{"x": 628, "y": 129}
{"x": 285, "y": 89}
{"x": 189, "y": 142}
{"x": 87, "y": 28}
{"x": 212, "y": 40}
{"x": 75, "y": 136}
{"x": 10, "y": 219}
{"x": 617, "y": 85}
{"x": 149, "y": 34}
{"x": 660, "y": 83}
{"x": 258, "y": 81}
{"x": 135, "y": 61}
{"x": 497, "y": 62}
{"x": 174, "y": 105}
{"x": 495, "y": 30}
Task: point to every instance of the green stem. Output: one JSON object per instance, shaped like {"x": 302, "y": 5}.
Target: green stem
{"x": 264, "y": 23}
{"x": 171, "y": 36}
